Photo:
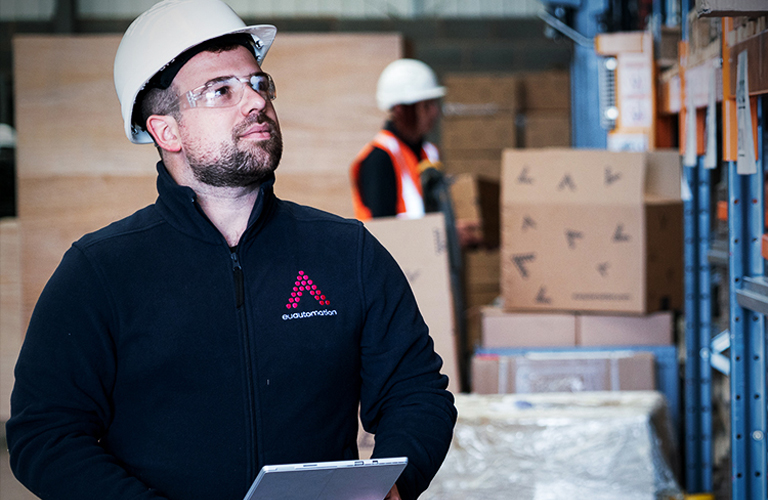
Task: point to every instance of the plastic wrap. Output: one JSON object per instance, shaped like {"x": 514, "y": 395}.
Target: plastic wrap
{"x": 555, "y": 446}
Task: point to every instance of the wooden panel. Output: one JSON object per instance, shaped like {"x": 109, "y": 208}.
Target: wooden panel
{"x": 10, "y": 309}
{"x": 67, "y": 113}
{"x": 78, "y": 172}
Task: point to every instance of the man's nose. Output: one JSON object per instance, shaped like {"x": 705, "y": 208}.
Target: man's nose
{"x": 252, "y": 100}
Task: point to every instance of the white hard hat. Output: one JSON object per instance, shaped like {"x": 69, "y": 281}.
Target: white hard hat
{"x": 406, "y": 81}
{"x": 164, "y": 32}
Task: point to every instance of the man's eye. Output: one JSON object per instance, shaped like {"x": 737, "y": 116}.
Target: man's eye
{"x": 259, "y": 84}
{"x": 219, "y": 91}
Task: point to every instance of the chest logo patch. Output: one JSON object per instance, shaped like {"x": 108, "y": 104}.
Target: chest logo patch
{"x": 305, "y": 288}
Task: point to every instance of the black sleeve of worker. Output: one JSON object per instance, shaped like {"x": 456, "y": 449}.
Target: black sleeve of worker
{"x": 378, "y": 185}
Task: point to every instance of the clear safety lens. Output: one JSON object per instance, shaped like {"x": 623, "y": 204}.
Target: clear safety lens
{"x": 229, "y": 91}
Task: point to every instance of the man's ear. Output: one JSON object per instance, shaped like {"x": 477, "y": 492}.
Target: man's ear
{"x": 165, "y": 131}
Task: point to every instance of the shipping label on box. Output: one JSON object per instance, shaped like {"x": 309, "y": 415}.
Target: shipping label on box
{"x": 576, "y": 233}
{"x": 420, "y": 248}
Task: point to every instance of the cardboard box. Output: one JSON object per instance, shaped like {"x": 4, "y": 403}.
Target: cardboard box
{"x": 420, "y": 248}
{"x": 476, "y": 207}
{"x": 482, "y": 162}
{"x": 563, "y": 372}
{"x": 603, "y": 330}
{"x": 547, "y": 129}
{"x": 724, "y": 8}
{"x": 546, "y": 91}
{"x": 499, "y": 90}
{"x": 591, "y": 230}
{"x": 482, "y": 268}
{"x": 493, "y": 131}
{"x": 513, "y": 330}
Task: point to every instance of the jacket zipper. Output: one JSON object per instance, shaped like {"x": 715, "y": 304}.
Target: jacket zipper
{"x": 239, "y": 279}
{"x": 237, "y": 270}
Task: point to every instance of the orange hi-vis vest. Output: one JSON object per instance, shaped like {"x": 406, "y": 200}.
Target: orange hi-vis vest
{"x": 410, "y": 202}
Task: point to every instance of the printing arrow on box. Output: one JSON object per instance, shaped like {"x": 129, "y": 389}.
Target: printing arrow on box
{"x": 572, "y": 236}
{"x": 528, "y": 223}
{"x": 520, "y": 261}
{"x": 524, "y": 178}
{"x": 602, "y": 268}
{"x": 619, "y": 235}
{"x": 542, "y": 297}
{"x": 566, "y": 182}
{"x": 610, "y": 177}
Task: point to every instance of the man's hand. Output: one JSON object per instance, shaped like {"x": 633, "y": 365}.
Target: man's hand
{"x": 393, "y": 494}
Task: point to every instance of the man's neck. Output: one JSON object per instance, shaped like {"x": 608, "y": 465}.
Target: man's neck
{"x": 228, "y": 208}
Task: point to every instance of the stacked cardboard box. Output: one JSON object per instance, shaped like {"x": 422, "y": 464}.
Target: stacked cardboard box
{"x": 537, "y": 372}
{"x": 559, "y": 363}
{"x": 591, "y": 230}
{"x": 504, "y": 329}
{"x": 546, "y": 109}
{"x": 476, "y": 207}
{"x": 479, "y": 115}
{"x": 481, "y": 270}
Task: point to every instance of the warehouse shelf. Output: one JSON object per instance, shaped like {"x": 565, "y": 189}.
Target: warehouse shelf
{"x": 683, "y": 90}
{"x": 754, "y": 294}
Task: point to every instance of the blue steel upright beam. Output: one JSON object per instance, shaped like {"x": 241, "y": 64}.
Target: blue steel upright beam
{"x": 586, "y": 131}
{"x": 747, "y": 326}
{"x": 705, "y": 326}
{"x": 692, "y": 320}
{"x": 698, "y": 329}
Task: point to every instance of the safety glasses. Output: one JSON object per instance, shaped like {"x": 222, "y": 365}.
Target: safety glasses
{"x": 228, "y": 91}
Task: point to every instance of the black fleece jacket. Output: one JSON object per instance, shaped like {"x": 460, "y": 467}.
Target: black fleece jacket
{"x": 160, "y": 364}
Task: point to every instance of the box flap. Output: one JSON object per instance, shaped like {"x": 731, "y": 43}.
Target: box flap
{"x": 572, "y": 176}
{"x": 663, "y": 177}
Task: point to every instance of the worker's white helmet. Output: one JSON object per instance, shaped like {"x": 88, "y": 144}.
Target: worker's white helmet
{"x": 159, "y": 35}
{"x": 406, "y": 81}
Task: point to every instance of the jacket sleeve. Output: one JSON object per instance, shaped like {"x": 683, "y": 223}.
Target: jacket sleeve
{"x": 60, "y": 405}
{"x": 404, "y": 400}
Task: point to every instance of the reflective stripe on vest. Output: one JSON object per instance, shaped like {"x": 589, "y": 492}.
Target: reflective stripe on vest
{"x": 410, "y": 202}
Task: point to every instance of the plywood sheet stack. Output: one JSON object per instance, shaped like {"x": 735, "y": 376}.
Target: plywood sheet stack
{"x": 78, "y": 172}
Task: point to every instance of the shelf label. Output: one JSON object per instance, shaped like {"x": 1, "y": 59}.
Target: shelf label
{"x": 710, "y": 157}
{"x": 689, "y": 155}
{"x": 745, "y": 156}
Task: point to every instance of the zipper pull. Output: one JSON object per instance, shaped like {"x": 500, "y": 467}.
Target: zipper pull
{"x": 237, "y": 270}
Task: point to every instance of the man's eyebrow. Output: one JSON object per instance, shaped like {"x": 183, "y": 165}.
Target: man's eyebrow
{"x": 227, "y": 77}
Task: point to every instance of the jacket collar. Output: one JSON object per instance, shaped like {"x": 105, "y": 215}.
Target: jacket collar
{"x": 178, "y": 206}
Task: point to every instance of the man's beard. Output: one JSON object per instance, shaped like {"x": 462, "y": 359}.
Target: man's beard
{"x": 230, "y": 166}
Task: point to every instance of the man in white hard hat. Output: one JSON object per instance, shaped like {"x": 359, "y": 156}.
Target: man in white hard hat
{"x": 174, "y": 353}
{"x": 385, "y": 175}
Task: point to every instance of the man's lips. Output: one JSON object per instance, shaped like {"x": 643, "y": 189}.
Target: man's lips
{"x": 257, "y": 131}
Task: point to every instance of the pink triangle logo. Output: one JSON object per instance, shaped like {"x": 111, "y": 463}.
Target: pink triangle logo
{"x": 303, "y": 288}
